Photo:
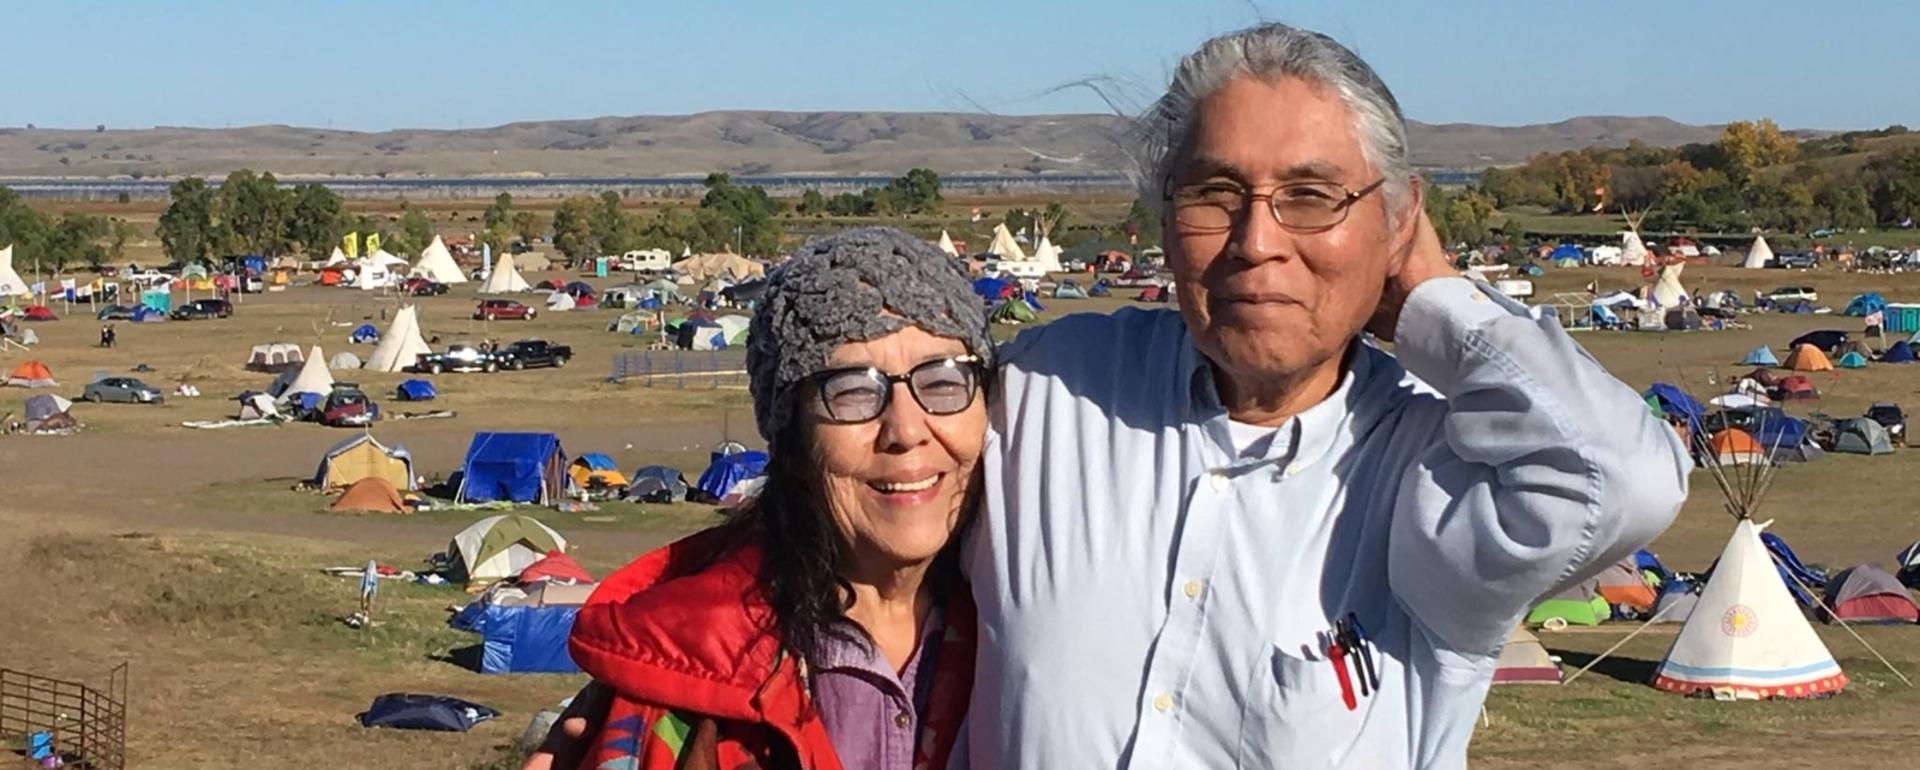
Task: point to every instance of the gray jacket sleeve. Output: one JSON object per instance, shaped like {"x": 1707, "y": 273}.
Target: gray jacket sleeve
{"x": 1544, "y": 469}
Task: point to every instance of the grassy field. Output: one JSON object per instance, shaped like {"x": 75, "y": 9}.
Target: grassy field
{"x": 188, "y": 553}
{"x": 1542, "y": 225}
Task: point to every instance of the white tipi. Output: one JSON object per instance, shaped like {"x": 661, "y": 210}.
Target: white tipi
{"x": 1633, "y": 251}
{"x": 504, "y": 279}
{"x": 10, "y": 283}
{"x": 1667, "y": 291}
{"x": 401, "y": 346}
{"x": 1004, "y": 246}
{"x": 946, "y": 245}
{"x": 1759, "y": 255}
{"x": 311, "y": 377}
{"x": 1048, "y": 255}
{"x": 436, "y": 264}
{"x": 1746, "y": 638}
{"x": 337, "y": 257}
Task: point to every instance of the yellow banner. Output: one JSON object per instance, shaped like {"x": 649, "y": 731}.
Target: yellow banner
{"x": 373, "y": 243}
{"x": 351, "y": 245}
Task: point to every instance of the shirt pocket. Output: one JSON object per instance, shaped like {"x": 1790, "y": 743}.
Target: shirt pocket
{"x": 1295, "y": 716}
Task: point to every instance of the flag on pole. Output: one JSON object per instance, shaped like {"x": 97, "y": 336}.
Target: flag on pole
{"x": 351, "y": 245}
{"x": 373, "y": 243}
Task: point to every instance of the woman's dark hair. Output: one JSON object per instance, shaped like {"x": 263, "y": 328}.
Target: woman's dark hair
{"x": 804, "y": 555}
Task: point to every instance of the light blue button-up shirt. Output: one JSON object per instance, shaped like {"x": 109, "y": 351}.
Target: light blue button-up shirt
{"x": 1149, "y": 598}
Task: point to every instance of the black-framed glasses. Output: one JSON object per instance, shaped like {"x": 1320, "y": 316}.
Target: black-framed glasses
{"x": 1212, "y": 207}
{"x": 861, "y": 393}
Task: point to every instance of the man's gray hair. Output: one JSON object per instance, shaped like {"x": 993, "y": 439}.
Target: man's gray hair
{"x": 1272, "y": 51}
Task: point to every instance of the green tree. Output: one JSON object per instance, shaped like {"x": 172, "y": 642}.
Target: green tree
{"x": 72, "y": 240}
{"x": 119, "y": 232}
{"x": 316, "y": 219}
{"x": 916, "y": 192}
{"x": 528, "y": 226}
{"x": 1142, "y": 224}
{"x": 812, "y": 203}
{"x": 250, "y": 215}
{"x": 573, "y": 232}
{"x": 186, "y": 228}
{"x": 499, "y": 212}
{"x": 1848, "y": 206}
{"x": 416, "y": 231}
{"x": 738, "y": 217}
{"x": 609, "y": 224}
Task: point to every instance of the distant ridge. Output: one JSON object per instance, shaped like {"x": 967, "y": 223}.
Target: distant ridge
{"x": 740, "y": 142}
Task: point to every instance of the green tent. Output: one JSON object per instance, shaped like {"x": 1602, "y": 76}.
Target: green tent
{"x": 1573, "y": 609}
{"x": 499, "y": 547}
{"x": 1653, "y": 403}
{"x": 1013, "y": 311}
{"x": 1853, "y": 360}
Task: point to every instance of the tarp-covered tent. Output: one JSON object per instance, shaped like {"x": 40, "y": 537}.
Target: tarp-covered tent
{"x": 728, "y": 468}
{"x": 370, "y": 495}
{"x": 703, "y": 268}
{"x": 1677, "y": 405}
{"x": 363, "y": 457}
{"x": 524, "y": 637}
{"x": 416, "y": 390}
{"x": 500, "y": 548}
{"x": 1807, "y": 358}
{"x": 436, "y": 264}
{"x": 413, "y": 711}
{"x": 505, "y": 278}
{"x": 1523, "y": 660}
{"x": 1761, "y": 356}
{"x": 1861, "y": 436}
{"x": 1867, "y": 594}
{"x": 1747, "y": 638}
{"x": 594, "y": 469}
{"x": 48, "y": 412}
{"x": 995, "y": 289}
{"x": 514, "y": 467}
{"x": 1786, "y": 439}
{"x": 402, "y": 346}
{"x": 31, "y": 374}
{"x": 657, "y": 484}
{"x": 1899, "y": 353}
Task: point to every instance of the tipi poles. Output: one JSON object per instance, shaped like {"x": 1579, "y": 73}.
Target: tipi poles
{"x": 1617, "y": 645}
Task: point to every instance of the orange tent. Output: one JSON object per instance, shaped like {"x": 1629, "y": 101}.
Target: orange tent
{"x": 31, "y": 374}
{"x": 1807, "y": 358}
{"x": 332, "y": 276}
{"x": 1622, "y": 584}
{"x": 1734, "y": 446}
{"x": 371, "y": 494}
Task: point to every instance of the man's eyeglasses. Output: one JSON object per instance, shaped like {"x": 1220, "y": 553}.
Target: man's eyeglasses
{"x": 1213, "y": 207}
{"x": 862, "y": 393}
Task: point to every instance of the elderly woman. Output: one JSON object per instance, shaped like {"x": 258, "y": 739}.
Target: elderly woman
{"x": 825, "y": 625}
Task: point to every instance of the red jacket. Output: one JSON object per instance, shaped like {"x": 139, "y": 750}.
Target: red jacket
{"x": 684, "y": 640}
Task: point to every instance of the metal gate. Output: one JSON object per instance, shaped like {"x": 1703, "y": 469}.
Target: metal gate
{"x": 88, "y": 727}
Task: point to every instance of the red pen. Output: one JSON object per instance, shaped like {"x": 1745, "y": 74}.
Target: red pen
{"x": 1338, "y": 656}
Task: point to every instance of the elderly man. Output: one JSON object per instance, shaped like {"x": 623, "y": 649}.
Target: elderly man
{"x": 1240, "y": 535}
{"x": 1182, "y": 509}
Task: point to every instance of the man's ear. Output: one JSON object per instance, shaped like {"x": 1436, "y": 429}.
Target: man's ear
{"x": 1407, "y": 223}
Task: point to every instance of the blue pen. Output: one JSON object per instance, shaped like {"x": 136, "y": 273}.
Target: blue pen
{"x": 1365, "y": 654}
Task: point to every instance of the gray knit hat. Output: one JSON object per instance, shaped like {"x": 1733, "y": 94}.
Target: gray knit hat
{"x": 853, "y": 286}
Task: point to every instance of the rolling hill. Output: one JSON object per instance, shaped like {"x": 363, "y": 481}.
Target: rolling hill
{"x": 741, "y": 142}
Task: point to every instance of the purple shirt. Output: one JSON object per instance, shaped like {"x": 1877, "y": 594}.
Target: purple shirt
{"x": 872, "y": 714}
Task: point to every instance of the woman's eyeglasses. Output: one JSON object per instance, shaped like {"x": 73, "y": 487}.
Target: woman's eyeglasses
{"x": 1212, "y": 207}
{"x": 862, "y": 393}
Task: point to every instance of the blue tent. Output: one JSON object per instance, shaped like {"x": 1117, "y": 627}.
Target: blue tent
{"x": 990, "y": 288}
{"x": 729, "y": 469}
{"x": 1604, "y": 317}
{"x": 415, "y": 390}
{"x": 1532, "y": 270}
{"x": 515, "y": 467}
{"x": 1099, "y": 289}
{"x": 1802, "y": 307}
{"x": 1900, "y": 353}
{"x": 412, "y": 711}
{"x": 366, "y": 334}
{"x": 1676, "y": 403}
{"x": 1865, "y": 304}
{"x": 254, "y": 264}
{"x": 1566, "y": 252}
{"x": 597, "y": 461}
{"x": 1761, "y": 356}
{"x": 1033, "y": 301}
{"x": 144, "y": 314}
{"x": 1785, "y": 438}
{"x": 1792, "y": 572}
{"x": 520, "y": 639}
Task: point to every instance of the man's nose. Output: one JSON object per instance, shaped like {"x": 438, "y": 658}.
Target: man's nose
{"x": 1261, "y": 236}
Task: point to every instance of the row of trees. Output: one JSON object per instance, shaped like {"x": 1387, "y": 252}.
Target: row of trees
{"x": 1754, "y": 175}
{"x": 252, "y": 214}
{"x": 916, "y": 192}
{"x": 730, "y": 216}
{"x": 45, "y": 242}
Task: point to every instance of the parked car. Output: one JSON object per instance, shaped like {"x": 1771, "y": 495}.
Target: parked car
{"x": 527, "y": 354}
{"x": 348, "y": 407}
{"x": 119, "y": 313}
{"x": 203, "y": 308}
{"x": 503, "y": 309}
{"x": 1890, "y": 417}
{"x": 1828, "y": 340}
{"x": 423, "y": 287}
{"x": 458, "y": 358}
{"x": 150, "y": 279}
{"x": 1790, "y": 294}
{"x": 124, "y": 390}
{"x": 1797, "y": 260}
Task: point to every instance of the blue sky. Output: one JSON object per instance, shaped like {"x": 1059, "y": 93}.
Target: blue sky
{"x": 378, "y": 65}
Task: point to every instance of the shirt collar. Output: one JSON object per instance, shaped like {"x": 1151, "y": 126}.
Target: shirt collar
{"x": 1311, "y": 434}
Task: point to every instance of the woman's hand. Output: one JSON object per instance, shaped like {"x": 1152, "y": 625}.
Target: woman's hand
{"x": 567, "y": 743}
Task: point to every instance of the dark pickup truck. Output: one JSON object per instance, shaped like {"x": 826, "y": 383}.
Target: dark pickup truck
{"x": 527, "y": 354}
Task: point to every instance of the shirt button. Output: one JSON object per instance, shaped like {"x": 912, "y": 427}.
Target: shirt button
{"x": 1293, "y": 469}
{"x": 1217, "y": 480}
{"x": 1193, "y": 589}
{"x": 1163, "y": 702}
{"x": 903, "y": 720}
